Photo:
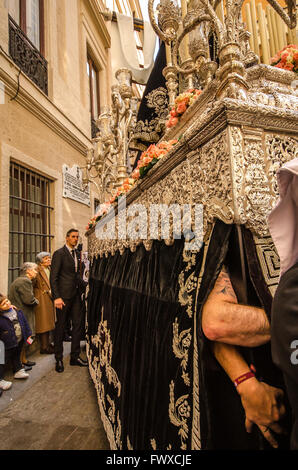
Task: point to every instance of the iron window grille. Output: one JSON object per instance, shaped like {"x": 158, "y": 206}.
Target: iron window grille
{"x": 29, "y": 217}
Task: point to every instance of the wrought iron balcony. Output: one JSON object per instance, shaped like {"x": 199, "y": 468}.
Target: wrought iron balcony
{"x": 27, "y": 57}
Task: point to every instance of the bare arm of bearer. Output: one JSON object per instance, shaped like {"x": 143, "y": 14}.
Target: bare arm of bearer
{"x": 226, "y": 321}
{"x": 263, "y": 404}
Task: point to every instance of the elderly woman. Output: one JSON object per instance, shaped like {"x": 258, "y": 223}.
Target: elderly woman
{"x": 21, "y": 296}
{"x": 44, "y": 311}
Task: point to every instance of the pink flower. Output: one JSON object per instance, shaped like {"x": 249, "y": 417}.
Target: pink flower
{"x": 136, "y": 174}
{"x": 172, "y": 122}
{"x": 160, "y": 153}
{"x": 163, "y": 145}
{"x": 289, "y": 67}
{"x": 181, "y": 108}
{"x": 292, "y": 46}
{"x": 287, "y": 58}
{"x": 147, "y": 160}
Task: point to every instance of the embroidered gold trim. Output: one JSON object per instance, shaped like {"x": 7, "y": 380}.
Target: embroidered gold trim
{"x": 129, "y": 446}
{"x": 181, "y": 344}
{"x": 196, "y": 424}
{"x": 179, "y": 412}
{"x": 153, "y": 444}
{"x": 105, "y": 347}
{"x": 101, "y": 403}
{"x": 118, "y": 432}
{"x": 111, "y": 410}
{"x": 186, "y": 288}
{"x": 187, "y": 284}
{"x": 97, "y": 365}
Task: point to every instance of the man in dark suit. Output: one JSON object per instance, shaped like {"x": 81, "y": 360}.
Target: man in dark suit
{"x": 67, "y": 287}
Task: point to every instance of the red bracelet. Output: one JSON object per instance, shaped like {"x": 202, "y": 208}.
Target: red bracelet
{"x": 243, "y": 377}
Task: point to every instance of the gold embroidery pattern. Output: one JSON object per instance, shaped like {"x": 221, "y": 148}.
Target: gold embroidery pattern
{"x": 179, "y": 412}
{"x": 179, "y": 409}
{"x": 103, "y": 341}
{"x": 153, "y": 444}
{"x": 181, "y": 344}
{"x": 93, "y": 368}
{"x": 196, "y": 424}
{"x": 98, "y": 365}
{"x": 187, "y": 286}
{"x": 190, "y": 258}
{"x": 111, "y": 410}
{"x": 129, "y": 446}
{"x": 118, "y": 432}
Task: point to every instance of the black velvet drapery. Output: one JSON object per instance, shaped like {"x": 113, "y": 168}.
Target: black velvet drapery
{"x": 146, "y": 341}
{"x": 222, "y": 414}
{"x": 137, "y": 295}
{"x": 147, "y": 114}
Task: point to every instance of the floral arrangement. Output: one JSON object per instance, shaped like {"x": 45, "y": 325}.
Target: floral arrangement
{"x": 287, "y": 58}
{"x": 182, "y": 102}
{"x": 102, "y": 210}
{"x": 151, "y": 156}
{"x": 147, "y": 160}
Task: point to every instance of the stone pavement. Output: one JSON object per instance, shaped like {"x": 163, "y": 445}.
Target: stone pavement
{"x": 51, "y": 411}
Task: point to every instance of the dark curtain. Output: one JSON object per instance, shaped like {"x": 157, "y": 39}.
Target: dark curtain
{"x": 222, "y": 414}
{"x": 136, "y": 294}
{"x": 135, "y": 301}
{"x": 156, "y": 80}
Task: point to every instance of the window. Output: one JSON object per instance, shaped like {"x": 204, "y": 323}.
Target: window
{"x": 29, "y": 217}
{"x": 26, "y": 40}
{"x": 92, "y": 73}
{"x": 14, "y": 10}
{"x": 93, "y": 77}
{"x": 28, "y": 14}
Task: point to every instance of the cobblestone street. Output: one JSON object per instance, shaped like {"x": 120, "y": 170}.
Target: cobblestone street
{"x": 51, "y": 411}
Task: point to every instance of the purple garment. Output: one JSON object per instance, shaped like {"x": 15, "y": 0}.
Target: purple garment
{"x": 7, "y": 331}
{"x": 283, "y": 220}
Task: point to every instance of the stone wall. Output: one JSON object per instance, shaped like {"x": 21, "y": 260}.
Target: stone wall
{"x": 44, "y": 132}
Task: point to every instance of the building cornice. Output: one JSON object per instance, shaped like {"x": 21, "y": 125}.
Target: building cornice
{"x": 98, "y": 15}
{"x": 37, "y": 103}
